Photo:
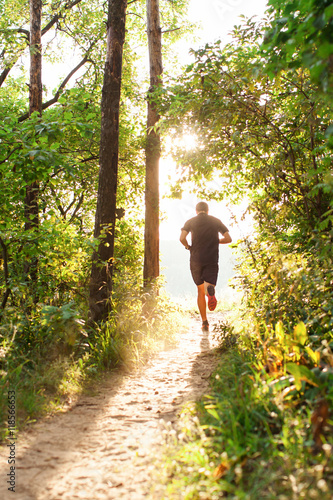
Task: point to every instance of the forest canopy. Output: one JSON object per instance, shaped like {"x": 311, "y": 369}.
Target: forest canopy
{"x": 60, "y": 149}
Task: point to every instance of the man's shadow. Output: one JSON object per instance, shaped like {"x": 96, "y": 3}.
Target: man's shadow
{"x": 204, "y": 342}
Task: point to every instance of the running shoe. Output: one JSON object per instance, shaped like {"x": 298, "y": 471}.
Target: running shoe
{"x": 211, "y": 297}
{"x": 205, "y": 326}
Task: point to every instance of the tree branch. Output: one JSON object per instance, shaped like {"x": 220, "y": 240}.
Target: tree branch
{"x": 77, "y": 208}
{"x": 69, "y": 206}
{"x": 24, "y": 32}
{"x": 56, "y": 18}
{"x": 5, "y": 72}
{"x": 169, "y": 31}
{"x": 10, "y": 154}
{"x": 135, "y": 14}
{"x": 46, "y": 28}
{"x": 55, "y": 98}
{"x": 59, "y": 206}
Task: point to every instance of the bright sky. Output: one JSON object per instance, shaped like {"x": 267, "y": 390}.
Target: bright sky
{"x": 217, "y": 18}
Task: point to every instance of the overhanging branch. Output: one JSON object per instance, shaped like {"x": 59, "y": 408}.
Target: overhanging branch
{"x": 26, "y": 33}
{"x": 56, "y": 96}
{"x": 58, "y": 16}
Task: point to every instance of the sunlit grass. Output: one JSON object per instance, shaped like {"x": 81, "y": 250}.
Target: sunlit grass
{"x": 241, "y": 442}
{"x": 49, "y": 364}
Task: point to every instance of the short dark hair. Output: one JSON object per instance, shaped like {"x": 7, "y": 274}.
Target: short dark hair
{"x": 202, "y": 206}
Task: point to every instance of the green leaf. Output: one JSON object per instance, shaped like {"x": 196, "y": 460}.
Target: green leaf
{"x": 300, "y": 333}
{"x": 211, "y": 410}
{"x": 279, "y": 332}
{"x": 300, "y": 372}
{"x": 329, "y": 131}
{"x": 313, "y": 355}
{"x": 328, "y": 12}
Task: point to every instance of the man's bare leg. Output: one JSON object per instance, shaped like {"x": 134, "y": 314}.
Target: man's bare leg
{"x": 206, "y": 285}
{"x": 202, "y": 302}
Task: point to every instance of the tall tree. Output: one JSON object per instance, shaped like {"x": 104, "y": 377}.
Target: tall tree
{"x": 153, "y": 146}
{"x": 35, "y": 105}
{"x": 102, "y": 266}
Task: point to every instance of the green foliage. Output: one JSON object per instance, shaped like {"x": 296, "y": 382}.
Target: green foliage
{"x": 50, "y": 358}
{"x": 262, "y": 127}
{"x": 282, "y": 283}
{"x": 250, "y": 436}
{"x": 263, "y": 136}
{"x": 59, "y": 151}
{"x": 300, "y": 35}
{"x": 257, "y": 136}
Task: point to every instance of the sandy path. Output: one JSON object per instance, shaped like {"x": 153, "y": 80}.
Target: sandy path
{"x": 102, "y": 448}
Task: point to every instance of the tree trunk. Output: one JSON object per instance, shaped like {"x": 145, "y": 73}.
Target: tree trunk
{"x": 102, "y": 266}
{"x": 151, "y": 257}
{"x": 35, "y": 104}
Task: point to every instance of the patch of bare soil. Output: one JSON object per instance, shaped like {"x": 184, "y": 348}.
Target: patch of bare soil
{"x": 104, "y": 446}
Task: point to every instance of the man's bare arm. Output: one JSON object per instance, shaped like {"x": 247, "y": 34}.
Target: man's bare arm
{"x": 226, "y": 238}
{"x": 183, "y": 239}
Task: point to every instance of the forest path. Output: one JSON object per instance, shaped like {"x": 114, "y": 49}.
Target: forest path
{"x": 103, "y": 448}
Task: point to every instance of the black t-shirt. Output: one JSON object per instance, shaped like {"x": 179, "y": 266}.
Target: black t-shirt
{"x": 205, "y": 231}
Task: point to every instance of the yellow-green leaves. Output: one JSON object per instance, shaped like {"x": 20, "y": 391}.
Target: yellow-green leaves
{"x": 300, "y": 373}
{"x": 313, "y": 355}
{"x": 300, "y": 333}
{"x": 279, "y": 332}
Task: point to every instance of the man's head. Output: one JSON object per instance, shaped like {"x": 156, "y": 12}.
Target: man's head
{"x": 201, "y": 207}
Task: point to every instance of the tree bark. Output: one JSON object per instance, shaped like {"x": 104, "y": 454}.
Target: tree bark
{"x": 31, "y": 209}
{"x": 56, "y": 96}
{"x": 102, "y": 266}
{"x": 6, "y": 273}
{"x": 153, "y": 147}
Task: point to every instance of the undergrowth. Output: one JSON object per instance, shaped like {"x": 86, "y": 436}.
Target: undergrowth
{"x": 259, "y": 433}
{"x": 50, "y": 357}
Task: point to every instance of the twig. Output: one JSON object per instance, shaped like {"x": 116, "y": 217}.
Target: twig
{"x": 169, "y": 31}
{"x": 77, "y": 208}
{"x": 10, "y": 154}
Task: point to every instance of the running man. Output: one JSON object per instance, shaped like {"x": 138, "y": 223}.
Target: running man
{"x": 204, "y": 259}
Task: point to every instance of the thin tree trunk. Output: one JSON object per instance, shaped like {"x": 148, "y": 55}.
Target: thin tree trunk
{"x": 102, "y": 266}
{"x": 35, "y": 104}
{"x": 153, "y": 146}
{"x": 6, "y": 273}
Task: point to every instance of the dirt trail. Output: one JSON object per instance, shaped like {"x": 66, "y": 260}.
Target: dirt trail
{"x": 102, "y": 448}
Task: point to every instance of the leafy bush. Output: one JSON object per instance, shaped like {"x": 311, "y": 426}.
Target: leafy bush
{"x": 284, "y": 285}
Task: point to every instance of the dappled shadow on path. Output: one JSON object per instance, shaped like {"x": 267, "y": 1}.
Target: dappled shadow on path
{"x": 205, "y": 361}
{"x": 57, "y": 442}
{"x": 102, "y": 448}
{"x": 204, "y": 342}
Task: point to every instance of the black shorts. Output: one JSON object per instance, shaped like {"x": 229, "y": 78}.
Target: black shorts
{"x": 201, "y": 273}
